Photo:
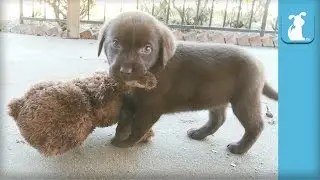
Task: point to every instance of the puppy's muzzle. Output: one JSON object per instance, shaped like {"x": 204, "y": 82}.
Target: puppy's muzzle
{"x": 127, "y": 71}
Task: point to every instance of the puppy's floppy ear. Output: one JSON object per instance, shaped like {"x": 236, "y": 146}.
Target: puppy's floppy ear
{"x": 303, "y": 14}
{"x": 102, "y": 38}
{"x": 167, "y": 43}
{"x": 291, "y": 17}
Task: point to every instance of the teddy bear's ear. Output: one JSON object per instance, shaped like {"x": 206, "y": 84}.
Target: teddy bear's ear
{"x": 14, "y": 107}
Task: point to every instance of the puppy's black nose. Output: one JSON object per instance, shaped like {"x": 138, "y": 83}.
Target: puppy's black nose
{"x": 126, "y": 71}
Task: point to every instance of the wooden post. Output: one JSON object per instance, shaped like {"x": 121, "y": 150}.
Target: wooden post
{"x": 251, "y": 14}
{"x": 183, "y": 12}
{"x": 211, "y": 13}
{"x": 88, "y": 1}
{"x": 239, "y": 11}
{"x": 32, "y": 9}
{"x": 21, "y": 11}
{"x": 58, "y": 9}
{"x": 73, "y": 18}
{"x": 197, "y": 13}
{"x": 264, "y": 19}
{"x": 168, "y": 12}
{"x": 45, "y": 10}
{"x": 225, "y": 14}
{"x": 137, "y": 5}
{"x": 152, "y": 8}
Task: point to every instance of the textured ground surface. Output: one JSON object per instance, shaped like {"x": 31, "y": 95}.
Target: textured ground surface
{"x": 30, "y": 59}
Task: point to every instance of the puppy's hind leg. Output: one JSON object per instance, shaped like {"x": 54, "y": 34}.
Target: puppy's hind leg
{"x": 247, "y": 110}
{"x": 217, "y": 117}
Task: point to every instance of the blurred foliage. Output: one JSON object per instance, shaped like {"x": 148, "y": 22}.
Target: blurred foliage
{"x": 158, "y": 10}
{"x": 182, "y": 11}
{"x": 274, "y": 23}
{"x": 183, "y": 14}
{"x": 188, "y": 15}
{"x": 60, "y": 9}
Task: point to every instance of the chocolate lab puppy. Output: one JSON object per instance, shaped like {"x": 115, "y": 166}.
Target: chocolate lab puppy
{"x": 191, "y": 76}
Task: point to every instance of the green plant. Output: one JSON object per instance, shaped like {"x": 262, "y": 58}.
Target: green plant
{"x": 274, "y": 24}
{"x": 184, "y": 14}
{"x": 158, "y": 10}
{"x": 256, "y": 7}
{"x": 188, "y": 15}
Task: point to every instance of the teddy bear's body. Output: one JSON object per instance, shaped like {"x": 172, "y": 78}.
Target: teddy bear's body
{"x": 55, "y": 117}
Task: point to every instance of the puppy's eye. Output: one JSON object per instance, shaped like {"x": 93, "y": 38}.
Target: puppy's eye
{"x": 147, "y": 49}
{"x": 115, "y": 43}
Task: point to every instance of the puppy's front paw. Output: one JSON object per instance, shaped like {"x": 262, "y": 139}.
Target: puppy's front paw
{"x": 115, "y": 141}
{"x": 123, "y": 135}
{"x": 148, "y": 137}
{"x": 121, "y": 144}
{"x": 236, "y": 148}
{"x": 196, "y": 134}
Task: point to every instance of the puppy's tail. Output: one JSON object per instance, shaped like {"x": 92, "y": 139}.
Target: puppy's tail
{"x": 14, "y": 107}
{"x": 270, "y": 92}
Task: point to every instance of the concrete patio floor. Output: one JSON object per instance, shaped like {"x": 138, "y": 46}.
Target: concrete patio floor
{"x": 30, "y": 59}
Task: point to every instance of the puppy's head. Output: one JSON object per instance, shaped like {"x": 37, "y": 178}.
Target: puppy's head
{"x": 134, "y": 43}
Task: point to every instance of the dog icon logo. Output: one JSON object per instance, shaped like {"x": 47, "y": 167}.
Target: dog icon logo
{"x": 297, "y": 26}
{"x": 295, "y": 32}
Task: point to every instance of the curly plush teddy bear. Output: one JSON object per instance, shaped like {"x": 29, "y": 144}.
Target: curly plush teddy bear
{"x": 55, "y": 117}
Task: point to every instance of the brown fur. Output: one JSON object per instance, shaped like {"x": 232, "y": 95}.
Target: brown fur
{"x": 191, "y": 76}
{"x": 55, "y": 117}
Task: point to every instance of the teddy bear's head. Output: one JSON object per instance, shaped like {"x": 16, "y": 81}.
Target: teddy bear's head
{"x": 55, "y": 117}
